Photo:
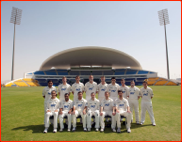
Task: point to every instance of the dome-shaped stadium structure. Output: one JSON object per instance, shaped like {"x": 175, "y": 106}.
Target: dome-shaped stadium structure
{"x": 90, "y": 60}
{"x": 90, "y": 56}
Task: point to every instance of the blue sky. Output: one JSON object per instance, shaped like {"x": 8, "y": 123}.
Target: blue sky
{"x": 50, "y": 27}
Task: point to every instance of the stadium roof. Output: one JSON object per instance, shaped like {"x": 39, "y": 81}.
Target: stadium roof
{"x": 90, "y": 56}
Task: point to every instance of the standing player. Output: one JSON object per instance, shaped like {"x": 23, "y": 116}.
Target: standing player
{"x": 46, "y": 93}
{"x": 106, "y": 109}
{"x": 124, "y": 88}
{"x": 134, "y": 95}
{"x": 77, "y": 87}
{"x": 79, "y": 108}
{"x": 90, "y": 87}
{"x": 93, "y": 109}
{"x": 101, "y": 89}
{"x": 146, "y": 103}
{"x": 122, "y": 108}
{"x": 63, "y": 89}
{"x": 65, "y": 109}
{"x": 113, "y": 89}
{"x": 52, "y": 108}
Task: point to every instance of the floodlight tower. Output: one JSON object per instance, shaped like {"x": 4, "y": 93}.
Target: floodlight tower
{"x": 164, "y": 20}
{"x": 15, "y": 19}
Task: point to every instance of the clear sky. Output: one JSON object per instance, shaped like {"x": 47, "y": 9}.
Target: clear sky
{"x": 50, "y": 27}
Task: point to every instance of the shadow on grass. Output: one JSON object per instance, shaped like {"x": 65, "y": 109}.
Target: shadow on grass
{"x": 40, "y": 128}
{"x": 79, "y": 128}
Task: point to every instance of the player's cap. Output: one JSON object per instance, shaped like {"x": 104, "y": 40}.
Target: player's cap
{"x": 113, "y": 78}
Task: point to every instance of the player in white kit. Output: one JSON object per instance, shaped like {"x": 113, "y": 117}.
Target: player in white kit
{"x": 46, "y": 93}
{"x": 146, "y": 103}
{"x": 101, "y": 89}
{"x": 52, "y": 108}
{"x": 90, "y": 87}
{"x": 133, "y": 97}
{"x": 63, "y": 88}
{"x": 124, "y": 88}
{"x": 79, "y": 108}
{"x": 122, "y": 108}
{"x": 106, "y": 108}
{"x": 113, "y": 89}
{"x": 77, "y": 87}
{"x": 93, "y": 109}
{"x": 65, "y": 109}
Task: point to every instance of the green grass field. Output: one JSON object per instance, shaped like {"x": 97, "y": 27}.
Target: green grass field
{"x": 22, "y": 119}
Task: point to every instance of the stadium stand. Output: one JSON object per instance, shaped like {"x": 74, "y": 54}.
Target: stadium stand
{"x": 143, "y": 72}
{"x": 131, "y": 71}
{"x": 159, "y": 81}
{"x": 39, "y": 73}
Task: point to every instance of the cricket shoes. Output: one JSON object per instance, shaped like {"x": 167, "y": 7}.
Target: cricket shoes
{"x": 89, "y": 129}
{"x": 138, "y": 122}
{"x": 96, "y": 129}
{"x": 128, "y": 130}
{"x": 141, "y": 123}
{"x": 154, "y": 124}
{"x": 118, "y": 130}
{"x": 74, "y": 129}
{"x": 85, "y": 129}
{"x": 68, "y": 130}
{"x": 102, "y": 130}
{"x": 55, "y": 131}
{"x": 114, "y": 130}
{"x": 45, "y": 131}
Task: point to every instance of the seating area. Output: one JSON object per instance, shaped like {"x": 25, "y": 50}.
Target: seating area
{"x": 24, "y": 82}
{"x": 160, "y": 82}
{"x": 20, "y": 84}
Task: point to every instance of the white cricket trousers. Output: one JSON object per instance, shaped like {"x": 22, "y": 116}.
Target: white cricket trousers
{"x": 83, "y": 116}
{"x": 145, "y": 105}
{"x": 105, "y": 113}
{"x": 48, "y": 114}
{"x": 45, "y": 111}
{"x": 61, "y": 119}
{"x": 126, "y": 114}
{"x": 134, "y": 105}
{"x": 89, "y": 116}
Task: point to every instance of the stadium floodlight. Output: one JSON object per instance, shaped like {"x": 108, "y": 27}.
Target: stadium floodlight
{"x": 164, "y": 20}
{"x": 15, "y": 19}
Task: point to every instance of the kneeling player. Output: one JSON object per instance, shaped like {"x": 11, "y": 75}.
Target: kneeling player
{"x": 107, "y": 106}
{"x": 93, "y": 109}
{"x": 52, "y": 109}
{"x": 65, "y": 109}
{"x": 122, "y": 108}
{"x": 79, "y": 108}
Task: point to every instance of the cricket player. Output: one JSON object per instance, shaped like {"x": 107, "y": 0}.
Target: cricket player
{"x": 146, "y": 103}
{"x": 77, "y": 87}
{"x": 106, "y": 108}
{"x": 79, "y": 108}
{"x": 101, "y": 89}
{"x": 124, "y": 88}
{"x": 93, "y": 109}
{"x": 52, "y": 108}
{"x": 134, "y": 95}
{"x": 122, "y": 108}
{"x": 65, "y": 109}
{"x": 90, "y": 87}
{"x": 46, "y": 93}
{"x": 63, "y": 89}
{"x": 113, "y": 89}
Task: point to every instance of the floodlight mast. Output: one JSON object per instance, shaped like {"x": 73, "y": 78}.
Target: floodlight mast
{"x": 15, "y": 19}
{"x": 164, "y": 20}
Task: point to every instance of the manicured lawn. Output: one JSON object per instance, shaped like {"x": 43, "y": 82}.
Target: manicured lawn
{"x": 22, "y": 119}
